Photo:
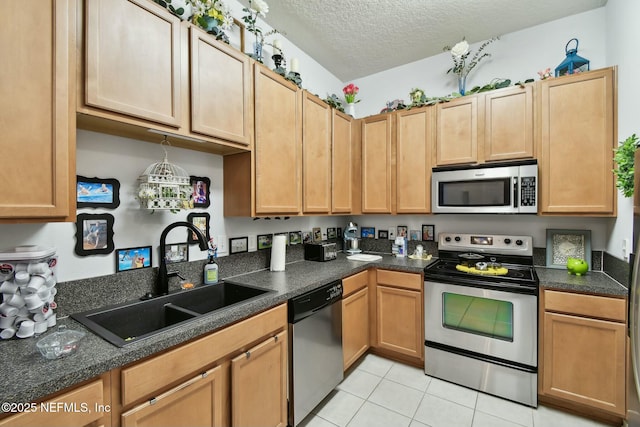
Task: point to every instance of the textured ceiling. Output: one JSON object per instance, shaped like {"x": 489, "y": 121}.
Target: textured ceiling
{"x": 354, "y": 38}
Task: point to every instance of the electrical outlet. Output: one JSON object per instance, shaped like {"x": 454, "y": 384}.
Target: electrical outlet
{"x": 392, "y": 233}
{"x": 222, "y": 244}
{"x": 253, "y": 243}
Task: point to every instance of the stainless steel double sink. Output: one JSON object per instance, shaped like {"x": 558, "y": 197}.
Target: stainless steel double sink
{"x": 132, "y": 321}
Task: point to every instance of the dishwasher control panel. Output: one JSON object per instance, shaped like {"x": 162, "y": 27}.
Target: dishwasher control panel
{"x": 308, "y": 303}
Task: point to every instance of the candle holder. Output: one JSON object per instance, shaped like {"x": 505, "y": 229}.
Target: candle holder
{"x": 281, "y": 64}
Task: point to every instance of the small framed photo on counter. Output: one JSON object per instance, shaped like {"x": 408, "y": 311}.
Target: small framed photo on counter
{"x": 133, "y": 258}
{"x": 331, "y": 233}
{"x": 265, "y": 241}
{"x": 383, "y": 234}
{"x": 368, "y": 232}
{"x": 403, "y": 231}
{"x": 415, "y": 235}
{"x": 428, "y": 232}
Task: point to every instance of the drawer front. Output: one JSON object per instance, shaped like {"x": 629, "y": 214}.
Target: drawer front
{"x": 400, "y": 279}
{"x": 586, "y": 305}
{"x": 354, "y": 283}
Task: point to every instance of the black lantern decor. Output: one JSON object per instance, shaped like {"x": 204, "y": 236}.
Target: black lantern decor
{"x": 572, "y": 62}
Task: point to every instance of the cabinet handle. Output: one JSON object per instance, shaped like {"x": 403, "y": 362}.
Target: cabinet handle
{"x": 248, "y": 354}
{"x": 275, "y": 337}
{"x": 204, "y": 375}
{"x": 152, "y": 401}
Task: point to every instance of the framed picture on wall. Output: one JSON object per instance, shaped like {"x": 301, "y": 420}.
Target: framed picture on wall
{"x": 177, "y": 252}
{"x": 403, "y": 231}
{"x": 238, "y": 245}
{"x": 94, "y": 234}
{"x": 428, "y": 232}
{"x": 265, "y": 241}
{"x": 133, "y": 258}
{"x": 295, "y": 237}
{"x": 200, "y": 192}
{"x": 565, "y": 244}
{"x": 383, "y": 234}
{"x": 200, "y": 220}
{"x": 97, "y": 192}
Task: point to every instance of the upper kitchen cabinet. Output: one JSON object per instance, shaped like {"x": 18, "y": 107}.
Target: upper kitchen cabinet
{"x": 508, "y": 124}
{"x": 37, "y": 110}
{"x": 316, "y": 155}
{"x": 342, "y": 168}
{"x": 220, "y": 89}
{"x": 133, "y": 54}
{"x": 414, "y": 139}
{"x": 377, "y": 176}
{"x": 457, "y": 131}
{"x": 577, "y": 137}
{"x": 141, "y": 69}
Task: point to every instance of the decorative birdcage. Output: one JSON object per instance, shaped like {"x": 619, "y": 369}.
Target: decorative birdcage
{"x": 164, "y": 185}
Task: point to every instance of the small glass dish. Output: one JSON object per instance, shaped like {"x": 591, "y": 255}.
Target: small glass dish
{"x": 61, "y": 343}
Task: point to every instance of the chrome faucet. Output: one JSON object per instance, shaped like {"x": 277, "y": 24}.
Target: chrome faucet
{"x": 162, "y": 284}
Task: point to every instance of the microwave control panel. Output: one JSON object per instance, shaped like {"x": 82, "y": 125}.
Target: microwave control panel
{"x": 528, "y": 191}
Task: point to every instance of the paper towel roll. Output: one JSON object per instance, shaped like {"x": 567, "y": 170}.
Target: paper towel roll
{"x": 278, "y": 250}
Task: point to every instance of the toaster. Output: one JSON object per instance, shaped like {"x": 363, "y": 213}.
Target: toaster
{"x": 320, "y": 251}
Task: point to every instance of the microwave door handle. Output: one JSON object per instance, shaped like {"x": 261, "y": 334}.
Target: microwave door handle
{"x": 515, "y": 192}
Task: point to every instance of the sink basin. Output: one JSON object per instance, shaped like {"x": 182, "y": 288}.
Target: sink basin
{"x": 130, "y": 322}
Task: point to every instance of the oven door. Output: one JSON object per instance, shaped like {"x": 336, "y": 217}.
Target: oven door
{"x": 498, "y": 324}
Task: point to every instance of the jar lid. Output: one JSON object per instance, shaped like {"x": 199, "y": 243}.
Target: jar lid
{"x": 27, "y": 252}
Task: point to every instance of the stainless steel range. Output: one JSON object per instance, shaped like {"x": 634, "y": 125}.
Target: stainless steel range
{"x": 481, "y": 315}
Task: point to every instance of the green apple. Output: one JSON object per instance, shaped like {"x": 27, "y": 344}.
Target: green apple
{"x": 577, "y": 266}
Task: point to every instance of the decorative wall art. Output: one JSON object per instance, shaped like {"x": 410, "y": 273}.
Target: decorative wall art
{"x": 295, "y": 237}
{"x": 238, "y": 245}
{"x": 383, "y": 234}
{"x": 94, "y": 234}
{"x": 133, "y": 258}
{"x": 403, "y": 231}
{"x": 177, "y": 252}
{"x": 265, "y": 241}
{"x": 200, "y": 192}
{"x": 368, "y": 232}
{"x": 428, "y": 232}
{"x": 331, "y": 233}
{"x": 317, "y": 234}
{"x": 307, "y": 237}
{"x": 200, "y": 220}
{"x": 565, "y": 244}
{"x": 415, "y": 235}
{"x": 97, "y": 192}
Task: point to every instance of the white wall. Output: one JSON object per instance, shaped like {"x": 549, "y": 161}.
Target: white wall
{"x": 623, "y": 34}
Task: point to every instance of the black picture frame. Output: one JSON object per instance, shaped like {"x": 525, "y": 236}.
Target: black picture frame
{"x": 368, "y": 232}
{"x": 94, "y": 234}
{"x": 383, "y": 234}
{"x": 295, "y": 237}
{"x": 332, "y": 233}
{"x": 265, "y": 241}
{"x": 402, "y": 231}
{"x": 339, "y": 232}
{"x": 97, "y": 192}
{"x": 181, "y": 251}
{"x": 428, "y": 232}
{"x": 238, "y": 245}
{"x": 200, "y": 220}
{"x": 200, "y": 191}
{"x": 134, "y": 258}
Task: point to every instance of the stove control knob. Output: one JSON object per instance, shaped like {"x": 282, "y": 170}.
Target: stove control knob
{"x": 457, "y": 238}
{"x": 507, "y": 241}
{"x": 447, "y": 239}
{"x": 519, "y": 242}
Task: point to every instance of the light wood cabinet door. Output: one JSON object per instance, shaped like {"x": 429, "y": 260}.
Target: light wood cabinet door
{"x": 355, "y": 326}
{"x": 259, "y": 384}
{"x": 197, "y": 402}
{"x": 342, "y": 163}
{"x": 316, "y": 155}
{"x": 37, "y": 109}
{"x": 508, "y": 124}
{"x": 399, "y": 321}
{"x": 221, "y": 104}
{"x": 584, "y": 361}
{"x": 457, "y": 131}
{"x": 414, "y": 139}
{"x": 377, "y": 165}
{"x": 133, "y": 60}
{"x": 86, "y": 404}
{"x": 278, "y": 144}
{"x": 577, "y": 128}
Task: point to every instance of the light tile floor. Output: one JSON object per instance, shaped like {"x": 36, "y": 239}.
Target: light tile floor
{"x": 380, "y": 392}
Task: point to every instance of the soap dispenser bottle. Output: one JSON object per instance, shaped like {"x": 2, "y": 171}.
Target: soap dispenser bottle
{"x": 211, "y": 269}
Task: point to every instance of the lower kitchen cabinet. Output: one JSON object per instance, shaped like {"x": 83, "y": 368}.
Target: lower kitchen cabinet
{"x": 582, "y": 355}
{"x": 399, "y": 314}
{"x": 87, "y": 405}
{"x": 259, "y": 384}
{"x": 355, "y": 317}
{"x": 196, "y": 402}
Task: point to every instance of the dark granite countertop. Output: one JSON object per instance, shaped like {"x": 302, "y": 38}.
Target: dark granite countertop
{"x": 594, "y": 282}
{"x": 27, "y": 376}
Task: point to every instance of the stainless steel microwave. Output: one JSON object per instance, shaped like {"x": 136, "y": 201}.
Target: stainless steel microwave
{"x": 506, "y": 188}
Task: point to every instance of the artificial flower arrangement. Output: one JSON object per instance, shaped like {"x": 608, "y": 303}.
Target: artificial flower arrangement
{"x": 545, "y": 74}
{"x": 350, "y": 91}
{"x": 460, "y": 54}
{"x": 213, "y": 16}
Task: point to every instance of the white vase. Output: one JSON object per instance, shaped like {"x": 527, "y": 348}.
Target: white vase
{"x": 351, "y": 109}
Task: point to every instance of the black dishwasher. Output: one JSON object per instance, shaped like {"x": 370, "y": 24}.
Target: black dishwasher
{"x": 315, "y": 344}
